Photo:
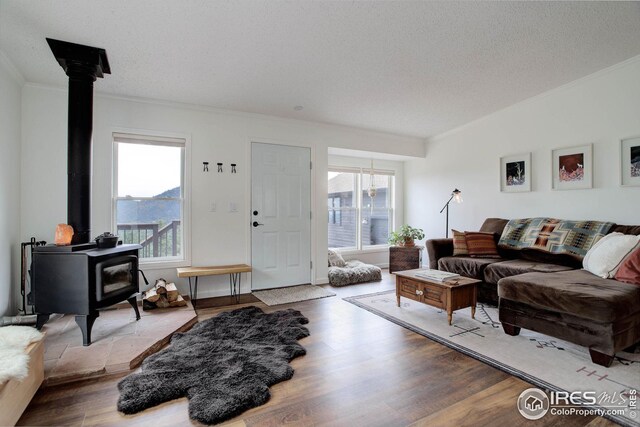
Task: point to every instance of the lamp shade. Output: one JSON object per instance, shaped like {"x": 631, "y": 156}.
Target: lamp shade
{"x": 457, "y": 195}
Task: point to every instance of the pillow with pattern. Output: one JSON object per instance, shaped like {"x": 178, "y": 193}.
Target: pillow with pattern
{"x": 481, "y": 245}
{"x": 335, "y": 259}
{"x": 459, "y": 244}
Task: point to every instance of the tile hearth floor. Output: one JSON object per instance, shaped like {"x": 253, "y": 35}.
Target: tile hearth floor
{"x": 119, "y": 343}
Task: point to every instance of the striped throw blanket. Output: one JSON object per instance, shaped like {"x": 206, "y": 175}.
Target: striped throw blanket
{"x": 552, "y": 235}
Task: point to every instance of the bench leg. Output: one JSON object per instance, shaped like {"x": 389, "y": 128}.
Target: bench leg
{"x": 193, "y": 293}
{"x": 510, "y": 329}
{"x": 601, "y": 358}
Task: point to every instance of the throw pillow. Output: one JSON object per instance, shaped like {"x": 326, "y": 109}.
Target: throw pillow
{"x": 459, "y": 244}
{"x": 335, "y": 259}
{"x": 481, "y": 245}
{"x": 629, "y": 270}
{"x": 604, "y": 258}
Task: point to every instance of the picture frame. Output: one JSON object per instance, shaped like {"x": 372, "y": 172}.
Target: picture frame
{"x": 630, "y": 162}
{"x": 572, "y": 168}
{"x": 515, "y": 173}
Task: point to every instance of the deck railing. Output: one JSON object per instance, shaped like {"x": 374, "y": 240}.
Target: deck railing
{"x": 156, "y": 242}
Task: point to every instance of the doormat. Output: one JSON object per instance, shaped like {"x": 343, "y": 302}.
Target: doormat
{"x": 546, "y": 362}
{"x": 291, "y": 294}
{"x": 223, "y": 365}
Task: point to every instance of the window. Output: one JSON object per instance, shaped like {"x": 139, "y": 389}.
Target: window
{"x": 342, "y": 209}
{"x": 356, "y": 220}
{"x": 149, "y": 195}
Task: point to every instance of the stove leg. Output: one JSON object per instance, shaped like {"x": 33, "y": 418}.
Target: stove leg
{"x": 134, "y": 303}
{"x": 41, "y": 319}
{"x": 86, "y": 323}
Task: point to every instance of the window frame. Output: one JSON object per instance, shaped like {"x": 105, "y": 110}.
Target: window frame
{"x": 155, "y": 138}
{"x": 358, "y": 206}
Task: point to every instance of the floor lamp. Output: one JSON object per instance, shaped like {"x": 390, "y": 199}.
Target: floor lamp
{"x": 455, "y": 194}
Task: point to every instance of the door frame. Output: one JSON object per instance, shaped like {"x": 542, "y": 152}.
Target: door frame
{"x": 313, "y": 204}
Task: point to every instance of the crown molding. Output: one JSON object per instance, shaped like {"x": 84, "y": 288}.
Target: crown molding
{"x": 243, "y": 114}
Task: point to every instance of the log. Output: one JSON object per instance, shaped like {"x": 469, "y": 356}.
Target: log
{"x": 161, "y": 286}
{"x": 172, "y": 292}
{"x": 179, "y": 302}
{"x": 151, "y": 295}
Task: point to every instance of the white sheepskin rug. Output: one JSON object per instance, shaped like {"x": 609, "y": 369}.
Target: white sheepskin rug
{"x": 13, "y": 342}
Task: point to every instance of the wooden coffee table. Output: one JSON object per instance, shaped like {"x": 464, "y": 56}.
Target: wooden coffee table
{"x": 451, "y": 295}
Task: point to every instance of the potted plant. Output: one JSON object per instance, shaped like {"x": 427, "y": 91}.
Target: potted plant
{"x": 406, "y": 236}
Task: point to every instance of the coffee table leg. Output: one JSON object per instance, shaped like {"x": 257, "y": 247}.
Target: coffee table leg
{"x": 398, "y": 299}
{"x": 450, "y": 316}
{"x": 474, "y": 302}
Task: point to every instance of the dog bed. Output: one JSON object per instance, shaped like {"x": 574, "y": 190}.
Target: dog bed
{"x": 354, "y": 272}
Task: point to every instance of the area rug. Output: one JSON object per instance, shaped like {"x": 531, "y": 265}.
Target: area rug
{"x": 546, "y": 362}
{"x": 224, "y": 365}
{"x": 291, "y": 294}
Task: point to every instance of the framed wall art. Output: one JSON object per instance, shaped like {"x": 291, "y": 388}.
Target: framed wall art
{"x": 515, "y": 173}
{"x": 630, "y": 161}
{"x": 572, "y": 167}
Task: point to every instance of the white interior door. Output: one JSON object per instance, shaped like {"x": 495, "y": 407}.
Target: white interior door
{"x": 280, "y": 216}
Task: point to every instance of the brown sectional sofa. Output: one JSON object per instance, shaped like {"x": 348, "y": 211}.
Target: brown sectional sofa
{"x": 551, "y": 294}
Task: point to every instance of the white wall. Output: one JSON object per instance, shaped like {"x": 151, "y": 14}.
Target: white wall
{"x": 216, "y": 136}
{"x": 379, "y": 257}
{"x": 10, "y": 104}
{"x": 599, "y": 109}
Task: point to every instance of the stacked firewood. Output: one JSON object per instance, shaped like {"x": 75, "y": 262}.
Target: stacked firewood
{"x": 162, "y": 295}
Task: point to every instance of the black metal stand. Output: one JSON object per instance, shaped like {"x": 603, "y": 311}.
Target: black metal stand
{"x": 193, "y": 296}
{"x": 235, "y": 280}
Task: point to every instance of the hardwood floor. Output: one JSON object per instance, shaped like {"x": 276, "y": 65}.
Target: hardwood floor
{"x": 359, "y": 370}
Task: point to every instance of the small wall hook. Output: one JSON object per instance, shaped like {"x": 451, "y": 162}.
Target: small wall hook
{"x": 233, "y": 168}
{"x": 219, "y": 167}
{"x": 205, "y": 166}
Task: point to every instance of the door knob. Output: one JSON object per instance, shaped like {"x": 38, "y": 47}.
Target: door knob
{"x": 256, "y": 223}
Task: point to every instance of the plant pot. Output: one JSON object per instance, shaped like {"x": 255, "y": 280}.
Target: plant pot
{"x": 408, "y": 243}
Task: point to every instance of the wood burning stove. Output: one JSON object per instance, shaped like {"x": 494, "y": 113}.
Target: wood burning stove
{"x": 80, "y": 279}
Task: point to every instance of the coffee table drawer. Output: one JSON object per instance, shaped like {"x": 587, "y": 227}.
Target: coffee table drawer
{"x": 433, "y": 294}
{"x": 409, "y": 289}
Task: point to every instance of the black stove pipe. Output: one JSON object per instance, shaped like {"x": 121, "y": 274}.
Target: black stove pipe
{"x": 83, "y": 65}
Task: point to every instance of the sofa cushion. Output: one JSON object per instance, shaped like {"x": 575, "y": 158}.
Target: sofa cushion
{"x": 576, "y": 292}
{"x": 464, "y": 266}
{"x": 499, "y": 270}
{"x": 494, "y": 225}
{"x": 459, "y": 244}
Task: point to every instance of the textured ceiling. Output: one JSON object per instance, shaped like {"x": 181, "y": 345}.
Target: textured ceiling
{"x": 414, "y": 68}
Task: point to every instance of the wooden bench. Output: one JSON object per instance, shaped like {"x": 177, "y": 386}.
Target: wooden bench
{"x": 234, "y": 271}
{"x": 15, "y": 395}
